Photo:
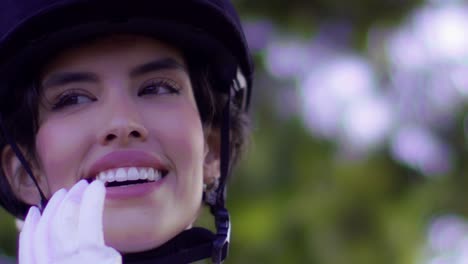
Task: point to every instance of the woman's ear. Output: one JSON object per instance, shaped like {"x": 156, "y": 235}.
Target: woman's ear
{"x": 21, "y": 183}
{"x": 211, "y": 171}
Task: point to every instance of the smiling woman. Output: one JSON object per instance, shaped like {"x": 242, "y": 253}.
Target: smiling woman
{"x": 127, "y": 127}
{"x": 120, "y": 119}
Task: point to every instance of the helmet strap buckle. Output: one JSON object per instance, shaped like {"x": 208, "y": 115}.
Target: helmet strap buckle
{"x": 223, "y": 234}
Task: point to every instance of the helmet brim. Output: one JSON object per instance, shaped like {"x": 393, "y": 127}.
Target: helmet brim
{"x": 196, "y": 27}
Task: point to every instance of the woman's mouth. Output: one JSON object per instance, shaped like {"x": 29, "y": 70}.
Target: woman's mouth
{"x": 130, "y": 176}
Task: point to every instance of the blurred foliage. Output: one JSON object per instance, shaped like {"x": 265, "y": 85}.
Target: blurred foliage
{"x": 295, "y": 200}
{"x": 303, "y": 15}
{"x": 7, "y": 234}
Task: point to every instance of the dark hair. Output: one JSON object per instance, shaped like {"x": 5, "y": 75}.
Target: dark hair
{"x": 210, "y": 101}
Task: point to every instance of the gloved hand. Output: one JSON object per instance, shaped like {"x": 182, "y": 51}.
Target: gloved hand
{"x": 70, "y": 230}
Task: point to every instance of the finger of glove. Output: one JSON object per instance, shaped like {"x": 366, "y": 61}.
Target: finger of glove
{"x": 26, "y": 254}
{"x": 41, "y": 246}
{"x": 101, "y": 255}
{"x": 90, "y": 231}
{"x": 64, "y": 233}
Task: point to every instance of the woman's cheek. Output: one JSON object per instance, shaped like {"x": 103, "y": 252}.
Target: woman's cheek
{"x": 184, "y": 135}
{"x": 59, "y": 148}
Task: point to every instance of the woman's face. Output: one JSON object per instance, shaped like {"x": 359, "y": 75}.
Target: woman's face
{"x": 120, "y": 107}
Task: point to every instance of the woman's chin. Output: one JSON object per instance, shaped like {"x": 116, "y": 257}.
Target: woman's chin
{"x": 133, "y": 226}
{"x": 137, "y": 236}
{"x": 135, "y": 241}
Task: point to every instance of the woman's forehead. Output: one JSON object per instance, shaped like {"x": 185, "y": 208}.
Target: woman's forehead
{"x": 118, "y": 47}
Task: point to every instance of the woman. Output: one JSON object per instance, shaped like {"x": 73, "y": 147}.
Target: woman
{"x": 117, "y": 119}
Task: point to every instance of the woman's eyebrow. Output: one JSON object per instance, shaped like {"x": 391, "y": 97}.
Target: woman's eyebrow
{"x": 63, "y": 78}
{"x": 157, "y": 65}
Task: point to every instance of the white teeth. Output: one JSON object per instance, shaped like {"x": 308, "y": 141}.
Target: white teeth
{"x": 110, "y": 176}
{"x": 157, "y": 175}
{"x": 102, "y": 176}
{"x": 143, "y": 174}
{"x": 129, "y": 174}
{"x": 151, "y": 174}
{"x": 120, "y": 175}
{"x": 133, "y": 174}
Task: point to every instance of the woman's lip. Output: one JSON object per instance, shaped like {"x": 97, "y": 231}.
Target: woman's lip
{"x": 124, "y": 158}
{"x": 132, "y": 191}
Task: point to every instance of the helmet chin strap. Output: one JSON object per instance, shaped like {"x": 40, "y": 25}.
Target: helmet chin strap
{"x": 23, "y": 162}
{"x": 222, "y": 220}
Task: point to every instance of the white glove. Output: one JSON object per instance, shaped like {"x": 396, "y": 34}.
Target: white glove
{"x": 69, "y": 231}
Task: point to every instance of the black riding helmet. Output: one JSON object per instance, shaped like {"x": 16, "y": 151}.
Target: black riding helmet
{"x": 32, "y": 31}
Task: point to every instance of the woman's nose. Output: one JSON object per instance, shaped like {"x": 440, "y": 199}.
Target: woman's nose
{"x": 123, "y": 127}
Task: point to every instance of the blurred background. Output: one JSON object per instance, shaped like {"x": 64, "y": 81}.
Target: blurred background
{"x": 359, "y": 150}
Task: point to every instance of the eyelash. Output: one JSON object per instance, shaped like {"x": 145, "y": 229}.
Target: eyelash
{"x": 63, "y": 100}
{"x": 169, "y": 85}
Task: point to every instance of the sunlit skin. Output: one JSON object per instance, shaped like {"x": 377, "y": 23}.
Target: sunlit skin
{"x": 115, "y": 108}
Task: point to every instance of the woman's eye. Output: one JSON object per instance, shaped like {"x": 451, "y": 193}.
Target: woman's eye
{"x": 71, "y": 99}
{"x": 159, "y": 87}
